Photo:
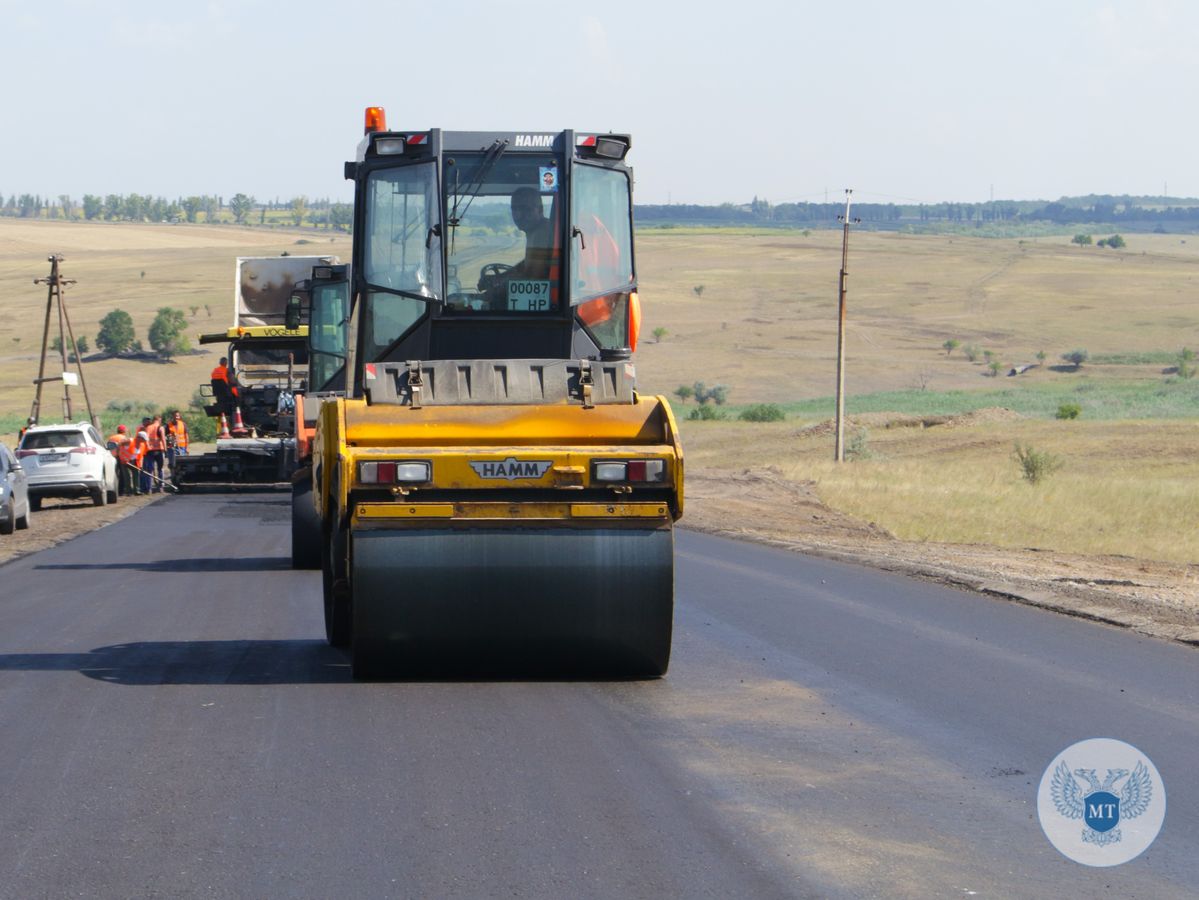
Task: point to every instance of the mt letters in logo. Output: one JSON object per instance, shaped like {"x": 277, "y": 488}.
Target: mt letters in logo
{"x": 1101, "y": 802}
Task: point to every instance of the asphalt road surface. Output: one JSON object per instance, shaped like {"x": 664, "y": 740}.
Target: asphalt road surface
{"x": 173, "y": 725}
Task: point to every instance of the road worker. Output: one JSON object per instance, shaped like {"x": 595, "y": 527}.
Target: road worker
{"x": 127, "y": 463}
{"x": 224, "y": 386}
{"x": 177, "y": 439}
{"x": 139, "y": 458}
{"x": 114, "y": 442}
{"x": 156, "y": 448}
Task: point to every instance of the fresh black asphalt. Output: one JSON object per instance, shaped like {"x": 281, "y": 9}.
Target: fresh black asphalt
{"x": 172, "y": 724}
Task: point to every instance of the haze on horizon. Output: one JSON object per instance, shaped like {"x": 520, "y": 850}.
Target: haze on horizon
{"x": 788, "y": 101}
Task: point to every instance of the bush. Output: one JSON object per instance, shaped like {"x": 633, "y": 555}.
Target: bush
{"x": 858, "y": 446}
{"x": 1069, "y": 411}
{"x": 1035, "y": 465}
{"x": 1082, "y": 240}
{"x": 971, "y": 352}
{"x": 707, "y": 414}
{"x": 950, "y": 345}
{"x": 1076, "y": 357}
{"x": 199, "y": 426}
{"x": 1184, "y": 366}
{"x": 762, "y": 412}
{"x": 683, "y": 392}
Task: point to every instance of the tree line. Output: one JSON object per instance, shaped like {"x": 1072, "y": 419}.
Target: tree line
{"x": 1142, "y": 213}
{"x": 240, "y": 209}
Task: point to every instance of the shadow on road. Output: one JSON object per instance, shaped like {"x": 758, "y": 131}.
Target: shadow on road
{"x": 195, "y": 662}
{"x": 191, "y": 564}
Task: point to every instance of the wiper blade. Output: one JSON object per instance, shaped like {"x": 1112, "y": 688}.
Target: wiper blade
{"x": 490, "y": 158}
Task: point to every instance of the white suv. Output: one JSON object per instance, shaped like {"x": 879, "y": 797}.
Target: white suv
{"x": 67, "y": 461}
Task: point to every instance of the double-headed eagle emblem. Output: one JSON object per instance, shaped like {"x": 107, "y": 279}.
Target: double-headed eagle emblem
{"x": 1097, "y": 803}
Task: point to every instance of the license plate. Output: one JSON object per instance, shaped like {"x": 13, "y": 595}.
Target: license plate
{"x": 528, "y": 295}
{"x": 53, "y": 457}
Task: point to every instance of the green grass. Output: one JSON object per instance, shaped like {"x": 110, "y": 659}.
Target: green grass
{"x": 1100, "y": 400}
{"x": 1149, "y": 358}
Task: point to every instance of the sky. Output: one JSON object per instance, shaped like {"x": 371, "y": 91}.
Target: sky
{"x": 787, "y": 101}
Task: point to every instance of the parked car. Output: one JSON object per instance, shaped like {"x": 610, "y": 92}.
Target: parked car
{"x": 14, "y": 493}
{"x": 67, "y": 461}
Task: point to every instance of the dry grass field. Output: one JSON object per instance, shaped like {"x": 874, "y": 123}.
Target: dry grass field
{"x": 765, "y": 323}
{"x": 137, "y": 268}
{"x": 765, "y": 326}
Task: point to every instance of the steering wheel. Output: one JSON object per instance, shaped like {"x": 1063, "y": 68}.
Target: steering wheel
{"x": 492, "y": 277}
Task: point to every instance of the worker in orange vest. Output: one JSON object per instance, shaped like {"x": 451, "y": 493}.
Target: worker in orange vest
{"x": 114, "y": 440}
{"x": 177, "y": 439}
{"x": 224, "y": 386}
{"x": 139, "y": 458}
{"x": 156, "y": 448}
{"x": 126, "y": 453}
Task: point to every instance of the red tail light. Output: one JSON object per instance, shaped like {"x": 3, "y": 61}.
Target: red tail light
{"x": 89, "y": 450}
{"x": 21, "y": 454}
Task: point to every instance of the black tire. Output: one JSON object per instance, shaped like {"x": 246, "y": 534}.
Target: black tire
{"x": 112, "y": 495}
{"x": 100, "y": 496}
{"x": 23, "y": 522}
{"x": 305, "y": 528}
{"x": 35, "y": 504}
{"x": 9, "y": 524}
{"x": 336, "y": 589}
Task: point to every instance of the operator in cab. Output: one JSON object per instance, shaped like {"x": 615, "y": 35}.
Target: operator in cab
{"x": 529, "y": 216}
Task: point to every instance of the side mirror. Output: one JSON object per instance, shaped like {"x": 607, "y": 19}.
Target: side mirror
{"x": 294, "y": 314}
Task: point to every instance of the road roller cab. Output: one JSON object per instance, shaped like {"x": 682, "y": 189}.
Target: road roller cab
{"x": 492, "y": 491}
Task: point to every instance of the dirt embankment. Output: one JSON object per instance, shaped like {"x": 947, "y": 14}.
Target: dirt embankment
{"x": 1155, "y": 598}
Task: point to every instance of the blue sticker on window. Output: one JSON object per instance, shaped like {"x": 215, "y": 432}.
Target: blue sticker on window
{"x": 548, "y": 179}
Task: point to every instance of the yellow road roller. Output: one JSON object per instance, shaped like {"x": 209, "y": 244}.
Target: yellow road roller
{"x": 493, "y": 494}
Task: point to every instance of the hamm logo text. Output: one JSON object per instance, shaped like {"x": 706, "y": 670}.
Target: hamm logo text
{"x": 511, "y": 469}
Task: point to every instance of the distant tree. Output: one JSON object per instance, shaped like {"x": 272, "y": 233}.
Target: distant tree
{"x": 1041, "y": 354}
{"x": 341, "y": 215}
{"x": 659, "y": 333}
{"x": 684, "y": 393}
{"x": 166, "y": 332}
{"x": 1083, "y": 240}
{"x": 93, "y": 206}
{"x": 1115, "y": 242}
{"x": 193, "y": 309}
{"x": 212, "y": 208}
{"x": 116, "y": 333}
{"x": 299, "y": 209}
{"x": 112, "y": 207}
{"x": 950, "y": 345}
{"x": 72, "y": 356}
{"x": 241, "y": 206}
{"x": 971, "y": 352}
{"x": 699, "y": 290}
{"x": 995, "y": 366}
{"x": 192, "y": 207}
{"x": 67, "y": 204}
{"x": 133, "y": 207}
{"x": 1076, "y": 357}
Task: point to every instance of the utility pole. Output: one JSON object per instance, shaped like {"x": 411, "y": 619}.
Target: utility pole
{"x": 846, "y": 221}
{"x": 54, "y": 299}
